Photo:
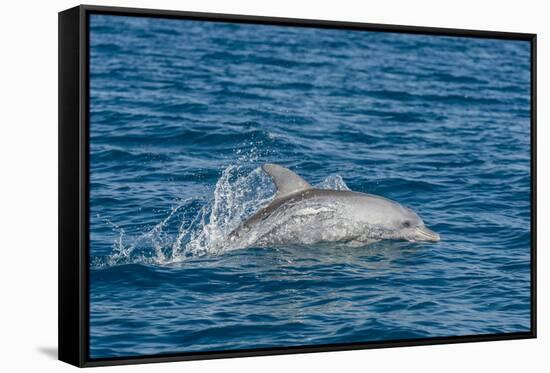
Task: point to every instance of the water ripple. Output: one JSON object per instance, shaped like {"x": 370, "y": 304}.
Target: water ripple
{"x": 182, "y": 115}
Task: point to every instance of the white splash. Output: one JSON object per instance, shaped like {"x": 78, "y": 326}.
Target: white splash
{"x": 238, "y": 194}
{"x": 236, "y": 197}
{"x": 333, "y": 182}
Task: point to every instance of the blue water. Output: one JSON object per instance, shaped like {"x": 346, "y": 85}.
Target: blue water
{"x": 183, "y": 113}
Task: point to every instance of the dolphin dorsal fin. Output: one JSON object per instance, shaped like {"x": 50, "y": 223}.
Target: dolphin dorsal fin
{"x": 286, "y": 181}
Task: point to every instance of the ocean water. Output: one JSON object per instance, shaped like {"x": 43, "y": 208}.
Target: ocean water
{"x": 183, "y": 114}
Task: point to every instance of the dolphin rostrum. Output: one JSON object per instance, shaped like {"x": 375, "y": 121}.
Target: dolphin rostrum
{"x": 302, "y": 214}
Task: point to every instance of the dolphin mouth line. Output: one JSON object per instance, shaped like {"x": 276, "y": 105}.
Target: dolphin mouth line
{"x": 425, "y": 234}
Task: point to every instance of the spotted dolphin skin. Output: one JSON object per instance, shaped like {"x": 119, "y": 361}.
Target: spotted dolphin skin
{"x": 301, "y": 214}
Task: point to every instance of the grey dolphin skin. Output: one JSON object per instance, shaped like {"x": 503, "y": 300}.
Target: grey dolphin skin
{"x": 301, "y": 214}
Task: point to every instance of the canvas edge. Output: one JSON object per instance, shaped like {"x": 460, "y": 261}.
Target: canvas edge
{"x": 69, "y": 247}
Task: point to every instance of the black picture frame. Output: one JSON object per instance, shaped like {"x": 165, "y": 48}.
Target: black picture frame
{"x": 73, "y": 75}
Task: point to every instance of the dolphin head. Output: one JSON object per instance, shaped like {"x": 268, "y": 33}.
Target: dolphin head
{"x": 409, "y": 226}
{"x": 387, "y": 219}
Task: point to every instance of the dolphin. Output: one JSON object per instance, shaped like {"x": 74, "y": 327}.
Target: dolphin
{"x": 302, "y": 214}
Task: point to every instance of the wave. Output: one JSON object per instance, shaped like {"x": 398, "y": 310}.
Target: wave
{"x": 239, "y": 192}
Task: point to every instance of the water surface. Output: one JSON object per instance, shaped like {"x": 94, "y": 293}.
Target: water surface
{"x": 182, "y": 115}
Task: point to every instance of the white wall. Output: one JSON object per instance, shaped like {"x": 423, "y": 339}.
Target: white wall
{"x": 28, "y": 184}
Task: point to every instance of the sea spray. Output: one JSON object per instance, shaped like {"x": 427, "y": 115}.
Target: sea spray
{"x": 236, "y": 197}
{"x": 240, "y": 191}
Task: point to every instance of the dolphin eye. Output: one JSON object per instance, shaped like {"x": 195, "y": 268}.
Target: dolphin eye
{"x": 406, "y": 224}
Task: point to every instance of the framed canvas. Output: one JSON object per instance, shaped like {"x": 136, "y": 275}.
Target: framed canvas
{"x": 239, "y": 186}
